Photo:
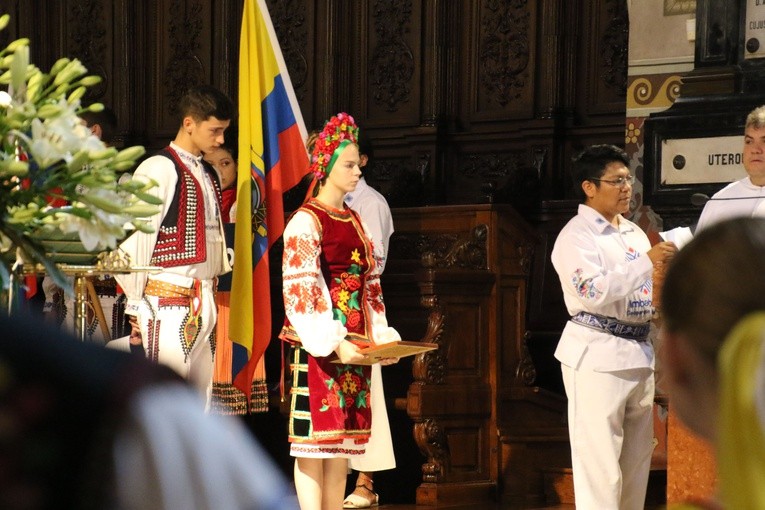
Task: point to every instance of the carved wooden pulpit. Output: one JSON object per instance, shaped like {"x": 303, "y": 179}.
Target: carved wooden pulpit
{"x": 486, "y": 432}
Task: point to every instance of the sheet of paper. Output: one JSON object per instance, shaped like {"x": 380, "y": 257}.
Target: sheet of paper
{"x": 678, "y": 235}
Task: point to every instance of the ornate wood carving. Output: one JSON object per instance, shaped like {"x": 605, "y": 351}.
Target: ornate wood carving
{"x": 391, "y": 62}
{"x": 466, "y": 252}
{"x": 440, "y": 251}
{"x": 397, "y": 180}
{"x": 289, "y": 19}
{"x": 184, "y": 68}
{"x": 615, "y": 47}
{"x": 504, "y": 49}
{"x": 430, "y": 437}
{"x": 526, "y": 371}
{"x": 509, "y": 177}
{"x": 87, "y": 41}
{"x": 525, "y": 251}
{"x": 430, "y": 367}
{"x": 472, "y": 281}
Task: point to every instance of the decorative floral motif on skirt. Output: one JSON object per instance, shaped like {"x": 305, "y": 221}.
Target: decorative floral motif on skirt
{"x": 339, "y": 399}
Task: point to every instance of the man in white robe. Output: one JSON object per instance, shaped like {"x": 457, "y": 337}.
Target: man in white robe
{"x": 745, "y": 197}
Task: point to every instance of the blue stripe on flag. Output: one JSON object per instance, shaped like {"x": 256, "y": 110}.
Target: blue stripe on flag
{"x": 277, "y": 116}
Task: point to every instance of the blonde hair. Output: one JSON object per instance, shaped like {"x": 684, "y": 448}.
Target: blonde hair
{"x": 756, "y": 118}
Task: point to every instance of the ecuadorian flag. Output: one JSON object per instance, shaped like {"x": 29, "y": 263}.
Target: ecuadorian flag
{"x": 271, "y": 146}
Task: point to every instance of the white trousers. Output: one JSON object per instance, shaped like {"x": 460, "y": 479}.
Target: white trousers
{"x": 162, "y": 338}
{"x": 610, "y": 421}
{"x": 378, "y": 455}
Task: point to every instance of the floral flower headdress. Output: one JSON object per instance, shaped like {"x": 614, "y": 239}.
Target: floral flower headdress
{"x": 340, "y": 128}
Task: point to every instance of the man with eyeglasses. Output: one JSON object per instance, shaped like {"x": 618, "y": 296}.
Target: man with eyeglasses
{"x": 605, "y": 264}
{"x": 745, "y": 197}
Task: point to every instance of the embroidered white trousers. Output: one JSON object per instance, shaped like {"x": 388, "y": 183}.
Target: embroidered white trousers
{"x": 162, "y": 331}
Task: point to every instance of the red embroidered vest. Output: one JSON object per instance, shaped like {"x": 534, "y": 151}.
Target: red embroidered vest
{"x": 181, "y": 237}
{"x": 346, "y": 260}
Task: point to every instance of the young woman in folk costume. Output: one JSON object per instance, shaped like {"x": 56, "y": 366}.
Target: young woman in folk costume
{"x": 334, "y": 307}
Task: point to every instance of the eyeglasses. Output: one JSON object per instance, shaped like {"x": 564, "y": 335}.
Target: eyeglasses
{"x": 619, "y": 182}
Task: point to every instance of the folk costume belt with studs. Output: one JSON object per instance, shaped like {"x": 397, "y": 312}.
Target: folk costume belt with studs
{"x": 162, "y": 289}
{"x": 628, "y": 330}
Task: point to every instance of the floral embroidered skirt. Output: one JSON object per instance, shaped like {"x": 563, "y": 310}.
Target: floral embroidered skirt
{"x": 347, "y": 393}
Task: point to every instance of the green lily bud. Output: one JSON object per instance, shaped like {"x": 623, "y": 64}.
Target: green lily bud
{"x": 72, "y": 70}
{"x": 4, "y": 19}
{"x": 79, "y": 159}
{"x": 19, "y": 67}
{"x": 59, "y": 65}
{"x": 141, "y": 210}
{"x": 76, "y": 95}
{"x": 121, "y": 166}
{"x": 60, "y": 90}
{"x": 11, "y": 167}
{"x": 108, "y": 152}
{"x": 102, "y": 203}
{"x": 142, "y": 226}
{"x": 18, "y": 43}
{"x": 130, "y": 153}
{"x": 148, "y": 198}
{"x": 49, "y": 110}
{"x": 91, "y": 80}
{"x": 130, "y": 185}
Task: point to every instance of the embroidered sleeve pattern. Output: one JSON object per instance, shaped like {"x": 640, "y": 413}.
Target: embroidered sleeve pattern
{"x": 307, "y": 302}
{"x": 302, "y": 295}
{"x": 374, "y": 295}
{"x": 585, "y": 287}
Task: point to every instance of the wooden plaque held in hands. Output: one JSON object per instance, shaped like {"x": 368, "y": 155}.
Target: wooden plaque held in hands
{"x": 398, "y": 349}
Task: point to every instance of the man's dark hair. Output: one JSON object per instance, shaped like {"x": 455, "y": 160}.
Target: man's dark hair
{"x": 202, "y": 102}
{"x": 231, "y": 141}
{"x": 106, "y": 118}
{"x": 365, "y": 144}
{"x": 591, "y": 163}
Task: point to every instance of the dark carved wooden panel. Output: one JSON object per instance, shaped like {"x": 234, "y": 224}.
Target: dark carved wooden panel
{"x": 397, "y": 179}
{"x": 388, "y": 63}
{"x": 481, "y": 175}
{"x": 717, "y": 32}
{"x": 180, "y": 58}
{"x": 503, "y": 58}
{"x": 417, "y": 74}
{"x": 88, "y": 26}
{"x": 292, "y": 23}
{"x": 603, "y": 64}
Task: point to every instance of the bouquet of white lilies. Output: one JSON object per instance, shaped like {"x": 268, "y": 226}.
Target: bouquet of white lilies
{"x": 48, "y": 155}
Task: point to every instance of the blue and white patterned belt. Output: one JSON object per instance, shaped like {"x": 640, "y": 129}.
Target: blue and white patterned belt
{"x": 637, "y": 332}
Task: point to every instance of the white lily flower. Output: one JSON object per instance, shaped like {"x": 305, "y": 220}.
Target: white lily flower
{"x": 38, "y": 116}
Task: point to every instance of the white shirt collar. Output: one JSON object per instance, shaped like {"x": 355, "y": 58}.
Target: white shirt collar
{"x": 188, "y": 158}
{"x": 596, "y": 219}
